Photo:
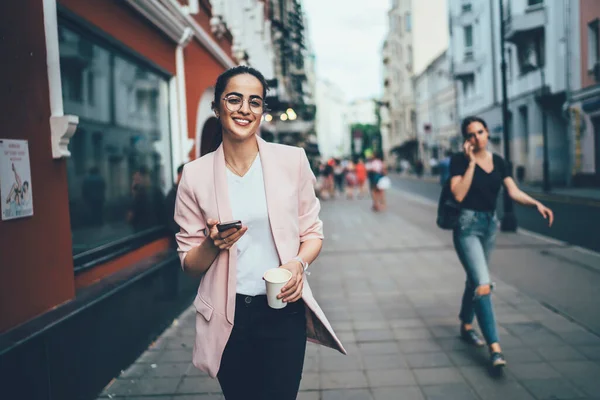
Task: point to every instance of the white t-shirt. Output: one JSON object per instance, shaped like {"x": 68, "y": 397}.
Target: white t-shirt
{"x": 256, "y": 252}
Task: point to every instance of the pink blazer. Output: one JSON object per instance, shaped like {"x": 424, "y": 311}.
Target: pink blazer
{"x": 294, "y": 217}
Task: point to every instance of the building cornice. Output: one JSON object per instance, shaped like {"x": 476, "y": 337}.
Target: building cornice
{"x": 175, "y": 21}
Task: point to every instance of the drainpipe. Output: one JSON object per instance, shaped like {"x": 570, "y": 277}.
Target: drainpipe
{"x": 184, "y": 140}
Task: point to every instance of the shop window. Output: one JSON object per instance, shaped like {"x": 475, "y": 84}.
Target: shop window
{"x": 120, "y": 165}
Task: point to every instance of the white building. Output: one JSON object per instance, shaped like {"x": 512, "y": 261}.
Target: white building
{"x": 417, "y": 34}
{"x": 251, "y": 31}
{"x": 475, "y": 56}
{"x": 435, "y": 105}
{"x": 362, "y": 111}
{"x": 536, "y": 57}
{"x": 333, "y": 130}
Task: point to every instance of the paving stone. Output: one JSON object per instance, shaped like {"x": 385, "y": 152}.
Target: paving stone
{"x": 560, "y": 353}
{"x": 552, "y": 389}
{"x": 199, "y": 385}
{"x": 428, "y": 360}
{"x": 306, "y": 396}
{"x": 379, "y": 348}
{"x": 139, "y": 387}
{"x": 450, "y": 391}
{"x": 534, "y": 371}
{"x": 438, "y": 376}
{"x": 341, "y": 363}
{"x": 343, "y": 380}
{"x": 390, "y": 377}
{"x": 360, "y": 394}
{"x": 398, "y": 393}
{"x": 374, "y": 335}
{"x": 384, "y": 361}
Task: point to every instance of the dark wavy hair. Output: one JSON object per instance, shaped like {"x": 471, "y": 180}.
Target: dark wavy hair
{"x": 468, "y": 121}
{"x": 220, "y": 86}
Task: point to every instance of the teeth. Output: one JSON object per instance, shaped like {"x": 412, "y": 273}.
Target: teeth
{"x": 244, "y": 121}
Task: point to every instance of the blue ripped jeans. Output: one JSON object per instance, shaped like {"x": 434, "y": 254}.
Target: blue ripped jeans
{"x": 474, "y": 239}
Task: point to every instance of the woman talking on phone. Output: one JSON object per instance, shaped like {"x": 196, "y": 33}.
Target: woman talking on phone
{"x": 476, "y": 176}
{"x": 255, "y": 351}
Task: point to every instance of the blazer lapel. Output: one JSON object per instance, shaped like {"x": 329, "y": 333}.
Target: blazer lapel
{"x": 225, "y": 214}
{"x": 271, "y": 177}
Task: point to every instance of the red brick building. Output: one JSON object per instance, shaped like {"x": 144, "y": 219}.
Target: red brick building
{"x": 111, "y": 96}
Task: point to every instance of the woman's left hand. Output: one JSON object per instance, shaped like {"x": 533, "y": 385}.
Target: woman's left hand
{"x": 546, "y": 213}
{"x": 292, "y": 291}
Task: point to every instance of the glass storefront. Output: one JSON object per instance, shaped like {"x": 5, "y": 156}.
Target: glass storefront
{"x": 120, "y": 166}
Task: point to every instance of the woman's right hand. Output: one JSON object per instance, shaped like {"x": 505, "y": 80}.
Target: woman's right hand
{"x": 468, "y": 149}
{"x": 224, "y": 240}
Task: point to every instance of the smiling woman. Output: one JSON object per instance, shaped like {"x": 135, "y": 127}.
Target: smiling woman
{"x": 249, "y": 346}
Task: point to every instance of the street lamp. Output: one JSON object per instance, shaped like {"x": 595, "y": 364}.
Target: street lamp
{"x": 509, "y": 219}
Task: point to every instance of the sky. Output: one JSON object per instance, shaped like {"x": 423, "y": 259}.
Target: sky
{"x": 347, "y": 37}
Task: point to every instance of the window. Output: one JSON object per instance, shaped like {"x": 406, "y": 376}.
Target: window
{"x": 407, "y": 22}
{"x": 593, "y": 44}
{"x": 469, "y": 87}
{"x": 120, "y": 167}
{"x": 524, "y": 117}
{"x": 468, "y": 36}
{"x": 466, "y": 6}
{"x": 534, "y": 2}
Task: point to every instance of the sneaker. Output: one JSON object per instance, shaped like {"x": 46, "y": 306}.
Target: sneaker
{"x": 471, "y": 337}
{"x": 497, "y": 360}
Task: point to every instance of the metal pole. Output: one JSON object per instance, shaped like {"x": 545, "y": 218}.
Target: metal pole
{"x": 509, "y": 220}
{"x": 546, "y": 183}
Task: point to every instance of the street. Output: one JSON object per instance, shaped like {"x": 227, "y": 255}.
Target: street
{"x": 390, "y": 284}
{"x": 577, "y": 220}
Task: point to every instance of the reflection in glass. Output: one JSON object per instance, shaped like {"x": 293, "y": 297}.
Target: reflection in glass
{"x": 119, "y": 169}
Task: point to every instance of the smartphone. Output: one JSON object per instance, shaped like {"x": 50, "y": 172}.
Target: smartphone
{"x": 223, "y": 226}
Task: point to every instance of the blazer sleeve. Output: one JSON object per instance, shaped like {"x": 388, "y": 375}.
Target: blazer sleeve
{"x": 189, "y": 217}
{"x": 311, "y": 227}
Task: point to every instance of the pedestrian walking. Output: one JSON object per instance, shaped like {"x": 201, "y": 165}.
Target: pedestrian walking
{"x": 255, "y": 351}
{"x": 475, "y": 179}
{"x": 361, "y": 177}
{"x": 376, "y": 170}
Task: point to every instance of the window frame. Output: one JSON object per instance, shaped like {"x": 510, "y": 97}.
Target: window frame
{"x": 104, "y": 253}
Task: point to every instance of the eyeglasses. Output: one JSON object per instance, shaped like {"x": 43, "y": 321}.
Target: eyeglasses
{"x": 234, "y": 103}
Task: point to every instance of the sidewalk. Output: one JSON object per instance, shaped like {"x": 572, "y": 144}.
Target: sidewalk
{"x": 391, "y": 289}
{"x": 560, "y": 194}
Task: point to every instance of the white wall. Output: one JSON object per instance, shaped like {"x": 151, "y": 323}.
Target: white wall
{"x": 333, "y": 130}
{"x": 362, "y": 111}
{"x": 430, "y": 31}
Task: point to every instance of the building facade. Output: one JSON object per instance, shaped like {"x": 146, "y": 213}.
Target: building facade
{"x": 474, "y": 52}
{"x": 585, "y": 99}
{"x": 536, "y": 53}
{"x": 110, "y": 97}
{"x": 332, "y": 127}
{"x": 407, "y": 50}
{"x": 436, "y": 110}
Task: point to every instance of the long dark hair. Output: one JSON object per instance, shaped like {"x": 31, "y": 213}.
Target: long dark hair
{"x": 468, "y": 121}
{"x": 220, "y": 85}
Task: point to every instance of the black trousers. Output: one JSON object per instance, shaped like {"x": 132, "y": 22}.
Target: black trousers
{"x": 264, "y": 356}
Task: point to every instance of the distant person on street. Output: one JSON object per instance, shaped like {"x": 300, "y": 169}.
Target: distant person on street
{"x": 444, "y": 168}
{"x": 361, "y": 177}
{"x": 376, "y": 170}
{"x": 476, "y": 176}
{"x": 255, "y": 351}
{"x": 147, "y": 208}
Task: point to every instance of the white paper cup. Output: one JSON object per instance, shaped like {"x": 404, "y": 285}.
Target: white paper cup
{"x": 275, "y": 279}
